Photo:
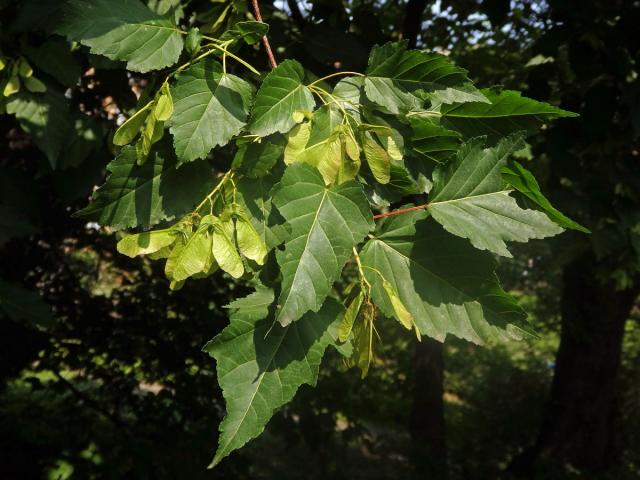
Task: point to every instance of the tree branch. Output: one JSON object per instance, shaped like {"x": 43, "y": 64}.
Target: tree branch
{"x": 89, "y": 402}
{"x": 401, "y": 210}
{"x": 265, "y": 40}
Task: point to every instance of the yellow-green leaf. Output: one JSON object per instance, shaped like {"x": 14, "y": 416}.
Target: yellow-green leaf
{"x": 34, "y": 85}
{"x": 130, "y": 129}
{"x": 400, "y": 311}
{"x": 12, "y": 86}
{"x": 164, "y": 104}
{"x": 377, "y": 157}
{"x": 225, "y": 252}
{"x": 191, "y": 257}
{"x": 147, "y": 242}
{"x": 249, "y": 241}
{"x": 350, "y": 317}
{"x": 24, "y": 69}
{"x": 363, "y": 340}
{"x": 297, "y": 140}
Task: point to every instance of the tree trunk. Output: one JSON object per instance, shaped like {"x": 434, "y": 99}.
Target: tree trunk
{"x": 427, "y": 426}
{"x": 578, "y": 425}
{"x": 412, "y": 23}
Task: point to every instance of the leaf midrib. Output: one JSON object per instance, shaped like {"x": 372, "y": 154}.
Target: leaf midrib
{"x": 325, "y": 193}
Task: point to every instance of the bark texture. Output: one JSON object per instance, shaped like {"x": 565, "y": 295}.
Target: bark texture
{"x": 427, "y": 425}
{"x": 578, "y": 427}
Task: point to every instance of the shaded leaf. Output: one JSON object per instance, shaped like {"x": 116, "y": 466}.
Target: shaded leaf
{"x": 433, "y": 141}
{"x": 261, "y": 364}
{"x": 250, "y": 32}
{"x": 256, "y": 159}
{"x": 55, "y": 58}
{"x": 46, "y": 118}
{"x": 446, "y": 285}
{"x": 145, "y": 195}
{"x": 20, "y": 304}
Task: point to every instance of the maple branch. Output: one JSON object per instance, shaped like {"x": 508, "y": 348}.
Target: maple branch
{"x": 401, "y": 210}
{"x": 265, "y": 40}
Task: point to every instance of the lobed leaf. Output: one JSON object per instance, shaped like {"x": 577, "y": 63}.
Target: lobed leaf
{"x": 261, "y": 364}
{"x": 145, "y": 195}
{"x": 399, "y": 80}
{"x": 522, "y": 180}
{"x": 507, "y": 113}
{"x": 326, "y": 223}
{"x": 123, "y": 30}
{"x": 470, "y": 199}
{"x": 281, "y": 94}
{"x": 446, "y": 285}
{"x": 211, "y": 107}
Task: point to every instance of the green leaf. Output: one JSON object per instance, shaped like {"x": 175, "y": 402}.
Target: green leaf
{"x": 34, "y": 85}
{"x": 55, "y": 58}
{"x": 256, "y": 159}
{"x": 147, "y": 242}
{"x": 132, "y": 126}
{"x": 281, "y": 94}
{"x": 123, "y": 30}
{"x": 433, "y": 141}
{"x": 145, "y": 195}
{"x": 447, "y": 286}
{"x": 261, "y": 364}
{"x": 192, "y": 42}
{"x": 23, "y": 305}
{"x": 326, "y": 223}
{"x": 348, "y": 93}
{"x": 46, "y": 118}
{"x": 250, "y": 32}
{"x": 522, "y": 180}
{"x": 470, "y": 199}
{"x": 507, "y": 113}
{"x": 399, "y": 79}
{"x": 211, "y": 107}
{"x": 14, "y": 223}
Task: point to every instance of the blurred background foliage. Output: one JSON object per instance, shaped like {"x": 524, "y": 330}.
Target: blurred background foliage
{"x": 101, "y": 370}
